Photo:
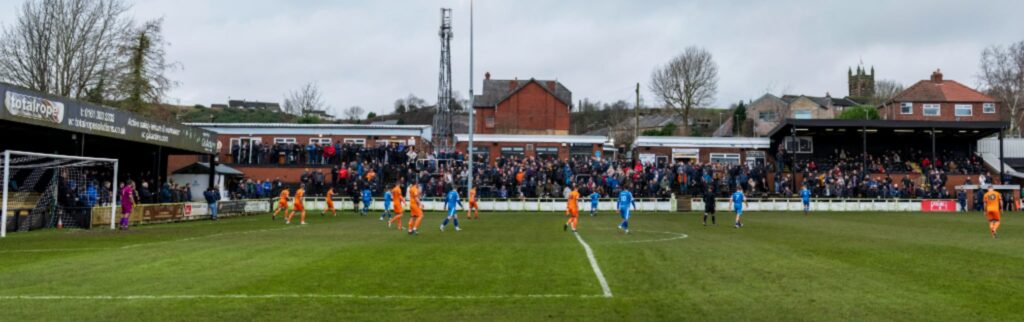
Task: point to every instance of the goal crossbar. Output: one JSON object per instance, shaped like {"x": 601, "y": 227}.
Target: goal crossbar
{"x": 7, "y": 177}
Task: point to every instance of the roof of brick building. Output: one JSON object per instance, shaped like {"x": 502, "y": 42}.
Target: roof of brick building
{"x": 937, "y": 89}
{"x": 497, "y": 90}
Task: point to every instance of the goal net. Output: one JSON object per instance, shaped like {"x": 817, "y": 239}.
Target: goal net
{"x": 48, "y": 191}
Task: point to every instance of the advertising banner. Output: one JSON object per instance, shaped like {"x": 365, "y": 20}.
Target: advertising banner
{"x": 163, "y": 212}
{"x": 938, "y": 205}
{"x": 25, "y": 106}
{"x": 230, "y": 207}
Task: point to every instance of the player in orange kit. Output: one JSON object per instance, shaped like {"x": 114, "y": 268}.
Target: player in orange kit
{"x": 330, "y": 203}
{"x": 993, "y": 204}
{"x": 572, "y": 209}
{"x": 415, "y": 209}
{"x": 396, "y": 195}
{"x": 472, "y": 205}
{"x": 298, "y": 207}
{"x": 282, "y": 204}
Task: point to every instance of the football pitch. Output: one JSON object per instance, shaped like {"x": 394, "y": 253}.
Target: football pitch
{"x": 523, "y": 267}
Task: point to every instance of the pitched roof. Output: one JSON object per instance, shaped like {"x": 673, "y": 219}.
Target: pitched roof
{"x": 941, "y": 91}
{"x": 766, "y": 96}
{"x": 823, "y": 102}
{"x": 497, "y": 90}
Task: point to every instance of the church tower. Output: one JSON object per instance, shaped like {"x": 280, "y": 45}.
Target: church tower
{"x": 862, "y": 83}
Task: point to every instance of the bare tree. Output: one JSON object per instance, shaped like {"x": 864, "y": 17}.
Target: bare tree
{"x": 886, "y": 90}
{"x": 307, "y": 98}
{"x": 400, "y": 106}
{"x": 142, "y": 76}
{"x": 1002, "y": 76}
{"x": 687, "y": 81}
{"x": 63, "y": 47}
{"x": 413, "y": 102}
{"x": 354, "y": 113}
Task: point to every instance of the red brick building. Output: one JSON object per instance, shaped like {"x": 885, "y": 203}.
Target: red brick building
{"x": 522, "y": 107}
{"x": 939, "y": 99}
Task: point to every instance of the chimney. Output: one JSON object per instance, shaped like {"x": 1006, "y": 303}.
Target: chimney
{"x": 513, "y": 84}
{"x": 827, "y": 94}
{"x": 551, "y": 86}
{"x": 487, "y": 76}
{"x": 937, "y": 76}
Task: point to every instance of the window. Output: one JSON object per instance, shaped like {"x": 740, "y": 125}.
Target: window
{"x": 489, "y": 121}
{"x": 907, "y": 108}
{"x": 581, "y": 150}
{"x": 802, "y": 115}
{"x": 245, "y": 140}
{"x": 964, "y": 110}
{"x": 755, "y": 158}
{"x": 512, "y": 151}
{"x": 988, "y": 108}
{"x": 767, "y": 116}
{"x": 481, "y": 153}
{"x": 547, "y": 153}
{"x": 726, "y": 158}
{"x": 320, "y": 141}
{"x": 355, "y": 141}
{"x": 931, "y": 109}
{"x": 284, "y": 140}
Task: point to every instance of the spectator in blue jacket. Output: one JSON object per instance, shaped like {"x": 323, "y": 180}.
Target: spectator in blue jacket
{"x": 212, "y": 195}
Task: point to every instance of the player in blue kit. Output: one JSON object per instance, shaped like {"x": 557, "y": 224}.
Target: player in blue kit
{"x": 594, "y": 197}
{"x": 805, "y": 196}
{"x": 387, "y": 205}
{"x": 451, "y": 201}
{"x": 738, "y": 199}
{"x": 367, "y": 199}
{"x": 625, "y": 201}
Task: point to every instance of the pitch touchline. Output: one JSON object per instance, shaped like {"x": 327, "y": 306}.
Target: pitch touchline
{"x": 606, "y": 291}
{"x": 279, "y": 296}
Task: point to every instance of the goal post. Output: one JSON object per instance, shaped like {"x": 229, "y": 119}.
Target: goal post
{"x": 43, "y": 190}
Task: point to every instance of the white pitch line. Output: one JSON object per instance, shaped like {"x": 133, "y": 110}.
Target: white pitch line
{"x": 291, "y": 296}
{"x": 606, "y": 291}
{"x": 45, "y": 250}
{"x": 676, "y": 237}
{"x": 82, "y": 249}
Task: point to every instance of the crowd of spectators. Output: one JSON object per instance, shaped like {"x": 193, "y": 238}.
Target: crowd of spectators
{"x": 353, "y": 167}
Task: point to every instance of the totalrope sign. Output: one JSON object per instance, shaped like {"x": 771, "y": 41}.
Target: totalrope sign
{"x": 26, "y": 106}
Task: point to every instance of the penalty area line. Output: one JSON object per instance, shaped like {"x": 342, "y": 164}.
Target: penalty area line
{"x": 605, "y": 290}
{"x": 289, "y": 296}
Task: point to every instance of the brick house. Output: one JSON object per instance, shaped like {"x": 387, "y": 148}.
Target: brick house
{"x": 522, "y": 107}
{"x": 939, "y": 99}
{"x": 769, "y": 110}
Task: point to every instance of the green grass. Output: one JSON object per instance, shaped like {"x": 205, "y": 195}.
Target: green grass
{"x": 781, "y": 266}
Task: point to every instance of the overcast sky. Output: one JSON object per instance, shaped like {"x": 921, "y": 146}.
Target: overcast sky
{"x": 369, "y": 53}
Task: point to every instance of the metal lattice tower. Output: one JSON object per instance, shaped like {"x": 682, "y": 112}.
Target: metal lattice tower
{"x": 444, "y": 136}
